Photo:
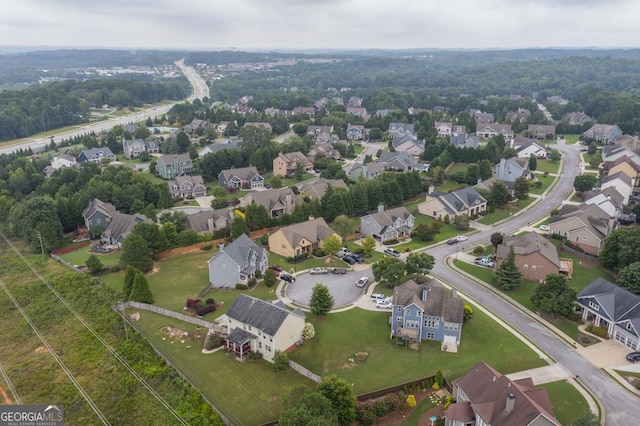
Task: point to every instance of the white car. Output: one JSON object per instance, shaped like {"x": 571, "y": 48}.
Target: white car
{"x": 362, "y": 282}
{"x": 316, "y": 271}
{"x": 461, "y": 238}
{"x": 392, "y": 252}
{"x": 343, "y": 252}
{"x": 378, "y": 296}
{"x": 544, "y": 228}
{"x": 383, "y": 304}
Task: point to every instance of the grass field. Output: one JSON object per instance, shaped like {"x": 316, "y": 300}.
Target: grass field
{"x": 457, "y": 167}
{"x": 247, "y": 393}
{"x": 446, "y": 232}
{"x": 571, "y": 139}
{"x": 548, "y": 166}
{"x": 79, "y": 257}
{"x": 501, "y": 214}
{"x": 449, "y": 185}
{"x": 568, "y": 403}
{"x": 339, "y": 336}
{"x": 546, "y": 181}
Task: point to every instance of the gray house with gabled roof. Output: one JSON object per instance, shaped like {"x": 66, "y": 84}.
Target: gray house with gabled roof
{"x": 465, "y": 201}
{"x": 115, "y": 225}
{"x": 133, "y": 148}
{"x": 398, "y": 161}
{"x": 236, "y": 263}
{"x": 385, "y": 225}
{"x": 605, "y": 304}
{"x": 426, "y": 312}
{"x": 96, "y": 155}
{"x": 243, "y": 177}
{"x": 265, "y": 327}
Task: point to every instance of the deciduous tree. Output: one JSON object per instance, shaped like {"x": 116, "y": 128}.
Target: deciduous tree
{"x": 368, "y": 244}
{"x": 521, "y": 188}
{"x": 554, "y": 295}
{"x": 332, "y": 244}
{"x": 340, "y": 394}
{"x": 583, "y": 183}
{"x": 629, "y": 277}
{"x": 419, "y": 263}
{"x": 533, "y": 163}
{"x": 389, "y": 271}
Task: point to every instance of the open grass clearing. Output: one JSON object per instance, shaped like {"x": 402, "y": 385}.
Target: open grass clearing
{"x": 450, "y": 185}
{"x": 544, "y": 180}
{"x": 571, "y": 139}
{"x": 547, "y": 166}
{"x": 568, "y": 403}
{"x": 79, "y": 257}
{"x": 339, "y": 336}
{"x": 457, "y": 167}
{"x": 247, "y": 393}
{"x": 501, "y": 214}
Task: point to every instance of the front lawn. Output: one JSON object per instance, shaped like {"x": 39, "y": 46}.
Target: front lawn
{"x": 339, "y": 336}
{"x": 446, "y": 232}
{"x": 501, "y": 214}
{"x": 547, "y": 166}
{"x": 456, "y": 168}
{"x": 545, "y": 180}
{"x": 247, "y": 393}
{"x": 79, "y": 257}
{"x": 568, "y": 403}
{"x": 450, "y": 185}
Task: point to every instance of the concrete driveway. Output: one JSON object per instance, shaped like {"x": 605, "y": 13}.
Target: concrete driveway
{"x": 342, "y": 287}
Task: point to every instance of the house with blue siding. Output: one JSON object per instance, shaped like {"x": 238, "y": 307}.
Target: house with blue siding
{"x": 426, "y": 312}
{"x": 236, "y": 263}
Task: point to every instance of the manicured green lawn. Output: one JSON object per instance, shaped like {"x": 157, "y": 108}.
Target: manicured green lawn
{"x": 568, "y": 403}
{"x": 571, "y": 139}
{"x": 247, "y": 393}
{"x": 545, "y": 180}
{"x": 354, "y": 224}
{"x": 339, "y": 336}
{"x": 446, "y": 232}
{"x": 294, "y": 181}
{"x": 79, "y": 257}
{"x": 548, "y": 166}
{"x": 501, "y": 214}
{"x": 153, "y": 178}
{"x": 457, "y": 167}
{"x": 449, "y": 186}
{"x": 576, "y": 199}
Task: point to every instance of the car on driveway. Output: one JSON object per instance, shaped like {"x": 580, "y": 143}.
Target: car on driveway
{"x": 276, "y": 268}
{"x": 383, "y": 304}
{"x": 362, "y": 282}
{"x": 287, "y": 277}
{"x": 392, "y": 252}
{"x": 378, "y": 296}
{"x": 544, "y": 228}
{"x": 357, "y": 258}
{"x": 343, "y": 252}
{"x": 350, "y": 260}
{"x": 484, "y": 262}
{"x": 317, "y": 271}
{"x": 633, "y": 357}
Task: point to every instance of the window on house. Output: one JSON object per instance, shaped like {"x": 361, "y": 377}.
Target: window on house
{"x": 268, "y": 348}
{"x": 525, "y": 266}
{"x": 431, "y": 336}
{"x": 628, "y": 326}
{"x": 407, "y": 312}
{"x": 533, "y": 267}
{"x": 594, "y": 305}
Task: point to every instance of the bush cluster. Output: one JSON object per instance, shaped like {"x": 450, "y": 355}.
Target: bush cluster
{"x": 368, "y": 411}
{"x": 319, "y": 252}
{"x": 598, "y": 331}
{"x": 298, "y": 258}
{"x": 214, "y": 341}
{"x": 241, "y": 286}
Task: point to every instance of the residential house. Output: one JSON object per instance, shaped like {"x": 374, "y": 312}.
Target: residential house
{"x": 485, "y": 397}
{"x": 285, "y": 164}
{"x": 152, "y": 146}
{"x": 210, "y": 220}
{"x": 604, "y": 133}
{"x": 264, "y": 327}
{"x": 623, "y": 165}
{"x": 96, "y": 155}
{"x": 244, "y": 177}
{"x": 325, "y": 149}
{"x": 300, "y": 238}
{"x": 115, "y": 226}
{"x": 464, "y": 140}
{"x": 605, "y": 304}
{"x": 274, "y": 112}
{"x": 236, "y": 263}
{"x": 412, "y": 111}
{"x": 398, "y": 161}
{"x": 262, "y": 126}
{"x": 519, "y": 116}
{"x": 329, "y": 138}
{"x": 631, "y": 142}
{"x": 577, "y": 118}
{"x": 511, "y": 169}
{"x": 62, "y": 160}
{"x": 367, "y": 171}
{"x": 621, "y": 182}
{"x": 385, "y": 225}
{"x": 213, "y": 148}
{"x": 444, "y": 128}
{"x": 483, "y": 117}
{"x": 187, "y": 187}
{"x": 221, "y": 128}
{"x": 309, "y": 111}
{"x": 278, "y": 202}
{"x": 359, "y": 112}
{"x": 526, "y": 147}
{"x": 465, "y": 201}
{"x": 133, "y": 148}
{"x": 316, "y": 131}
{"x": 608, "y": 199}
{"x": 535, "y": 256}
{"x": 542, "y": 131}
{"x": 409, "y": 144}
{"x": 397, "y": 130}
{"x": 316, "y": 188}
{"x": 490, "y": 130}
{"x": 585, "y": 225}
{"x": 357, "y": 132}
{"x": 557, "y": 99}
{"x": 170, "y": 166}
{"x": 612, "y": 153}
{"x": 426, "y": 312}
{"x": 196, "y": 125}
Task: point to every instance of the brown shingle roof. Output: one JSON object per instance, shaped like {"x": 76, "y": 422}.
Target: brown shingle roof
{"x": 526, "y": 245}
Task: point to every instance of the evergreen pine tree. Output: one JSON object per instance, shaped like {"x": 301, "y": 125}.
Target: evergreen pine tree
{"x": 140, "y": 291}
{"x": 508, "y": 276}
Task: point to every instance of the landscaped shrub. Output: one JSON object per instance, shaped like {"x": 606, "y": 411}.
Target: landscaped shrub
{"x": 214, "y": 341}
{"x": 575, "y": 317}
{"x": 280, "y": 361}
{"x": 468, "y": 312}
{"x": 210, "y": 301}
{"x": 556, "y": 236}
{"x": 297, "y": 259}
{"x": 192, "y": 303}
{"x": 439, "y": 379}
{"x": 361, "y": 356}
{"x": 258, "y": 273}
{"x": 252, "y": 282}
{"x": 241, "y": 286}
{"x": 365, "y": 414}
{"x": 203, "y": 310}
{"x": 390, "y": 242}
{"x": 448, "y": 402}
{"x": 319, "y": 252}
{"x": 478, "y": 250}
{"x": 598, "y": 331}
{"x": 308, "y": 332}
{"x": 574, "y": 246}
{"x": 205, "y": 247}
{"x": 254, "y": 356}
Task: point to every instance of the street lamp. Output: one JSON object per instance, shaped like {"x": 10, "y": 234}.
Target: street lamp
{"x": 457, "y": 249}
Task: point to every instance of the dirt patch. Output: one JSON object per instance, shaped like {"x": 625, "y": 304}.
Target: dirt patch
{"x": 178, "y": 333}
{"x": 40, "y": 350}
{"x": 5, "y": 397}
{"x": 399, "y": 416}
{"x": 587, "y": 340}
{"x": 633, "y": 381}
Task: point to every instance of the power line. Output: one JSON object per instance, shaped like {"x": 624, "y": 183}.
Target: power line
{"x": 14, "y": 393}
{"x": 55, "y": 356}
{"x": 104, "y": 343}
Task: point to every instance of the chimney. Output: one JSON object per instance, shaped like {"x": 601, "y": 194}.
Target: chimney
{"x": 221, "y": 246}
{"x": 511, "y": 401}
{"x": 210, "y": 224}
{"x": 288, "y": 207}
{"x": 311, "y": 217}
{"x": 380, "y": 208}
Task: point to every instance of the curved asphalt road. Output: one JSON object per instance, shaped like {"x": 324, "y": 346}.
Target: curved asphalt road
{"x": 621, "y": 407}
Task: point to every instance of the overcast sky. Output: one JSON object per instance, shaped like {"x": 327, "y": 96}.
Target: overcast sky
{"x": 306, "y": 24}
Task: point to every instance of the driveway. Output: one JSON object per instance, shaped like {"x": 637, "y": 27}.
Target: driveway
{"x": 342, "y": 287}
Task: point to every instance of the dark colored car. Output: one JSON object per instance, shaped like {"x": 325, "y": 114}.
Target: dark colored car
{"x": 349, "y": 259}
{"x": 452, "y": 241}
{"x": 357, "y": 258}
{"x": 633, "y": 357}
{"x": 287, "y": 277}
{"x": 340, "y": 271}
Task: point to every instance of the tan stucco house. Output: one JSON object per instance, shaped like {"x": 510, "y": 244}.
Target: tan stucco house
{"x": 303, "y": 237}
{"x": 465, "y": 201}
{"x": 535, "y": 256}
{"x": 285, "y": 164}
{"x": 584, "y": 225}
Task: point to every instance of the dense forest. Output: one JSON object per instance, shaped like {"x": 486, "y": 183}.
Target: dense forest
{"x": 41, "y": 108}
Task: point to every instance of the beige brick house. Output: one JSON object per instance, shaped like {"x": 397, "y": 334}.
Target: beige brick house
{"x": 285, "y": 164}
{"x": 300, "y": 238}
{"x": 535, "y": 256}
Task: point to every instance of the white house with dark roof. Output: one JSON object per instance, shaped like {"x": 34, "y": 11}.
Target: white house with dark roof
{"x": 96, "y": 155}
{"x": 605, "y": 304}
{"x": 485, "y": 397}
{"x": 465, "y": 201}
{"x": 426, "y": 312}
{"x": 133, "y": 148}
{"x": 356, "y": 132}
{"x": 511, "y": 169}
{"x": 542, "y": 131}
{"x": 386, "y": 225}
{"x": 605, "y": 133}
{"x": 621, "y": 182}
{"x": 490, "y": 130}
{"x": 236, "y": 263}
{"x": 526, "y": 147}
{"x": 62, "y": 160}
{"x": 265, "y": 327}
{"x": 243, "y": 177}
{"x": 608, "y": 199}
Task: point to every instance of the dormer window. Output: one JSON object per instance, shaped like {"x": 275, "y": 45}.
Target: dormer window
{"x": 594, "y": 305}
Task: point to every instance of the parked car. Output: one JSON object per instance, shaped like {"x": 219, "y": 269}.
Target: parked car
{"x": 340, "y": 271}
{"x": 317, "y": 271}
{"x": 392, "y": 252}
{"x": 461, "y": 238}
{"x": 633, "y": 357}
{"x": 287, "y": 277}
{"x": 275, "y": 268}
{"x": 485, "y": 262}
{"x": 357, "y": 258}
{"x": 378, "y": 296}
{"x": 362, "y": 282}
{"x": 350, "y": 260}
{"x": 544, "y": 228}
{"x": 343, "y": 252}
{"x": 383, "y": 304}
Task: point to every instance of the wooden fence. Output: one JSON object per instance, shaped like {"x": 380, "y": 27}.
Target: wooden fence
{"x": 176, "y": 315}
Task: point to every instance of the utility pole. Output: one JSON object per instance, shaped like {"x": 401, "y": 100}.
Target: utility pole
{"x": 41, "y": 246}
